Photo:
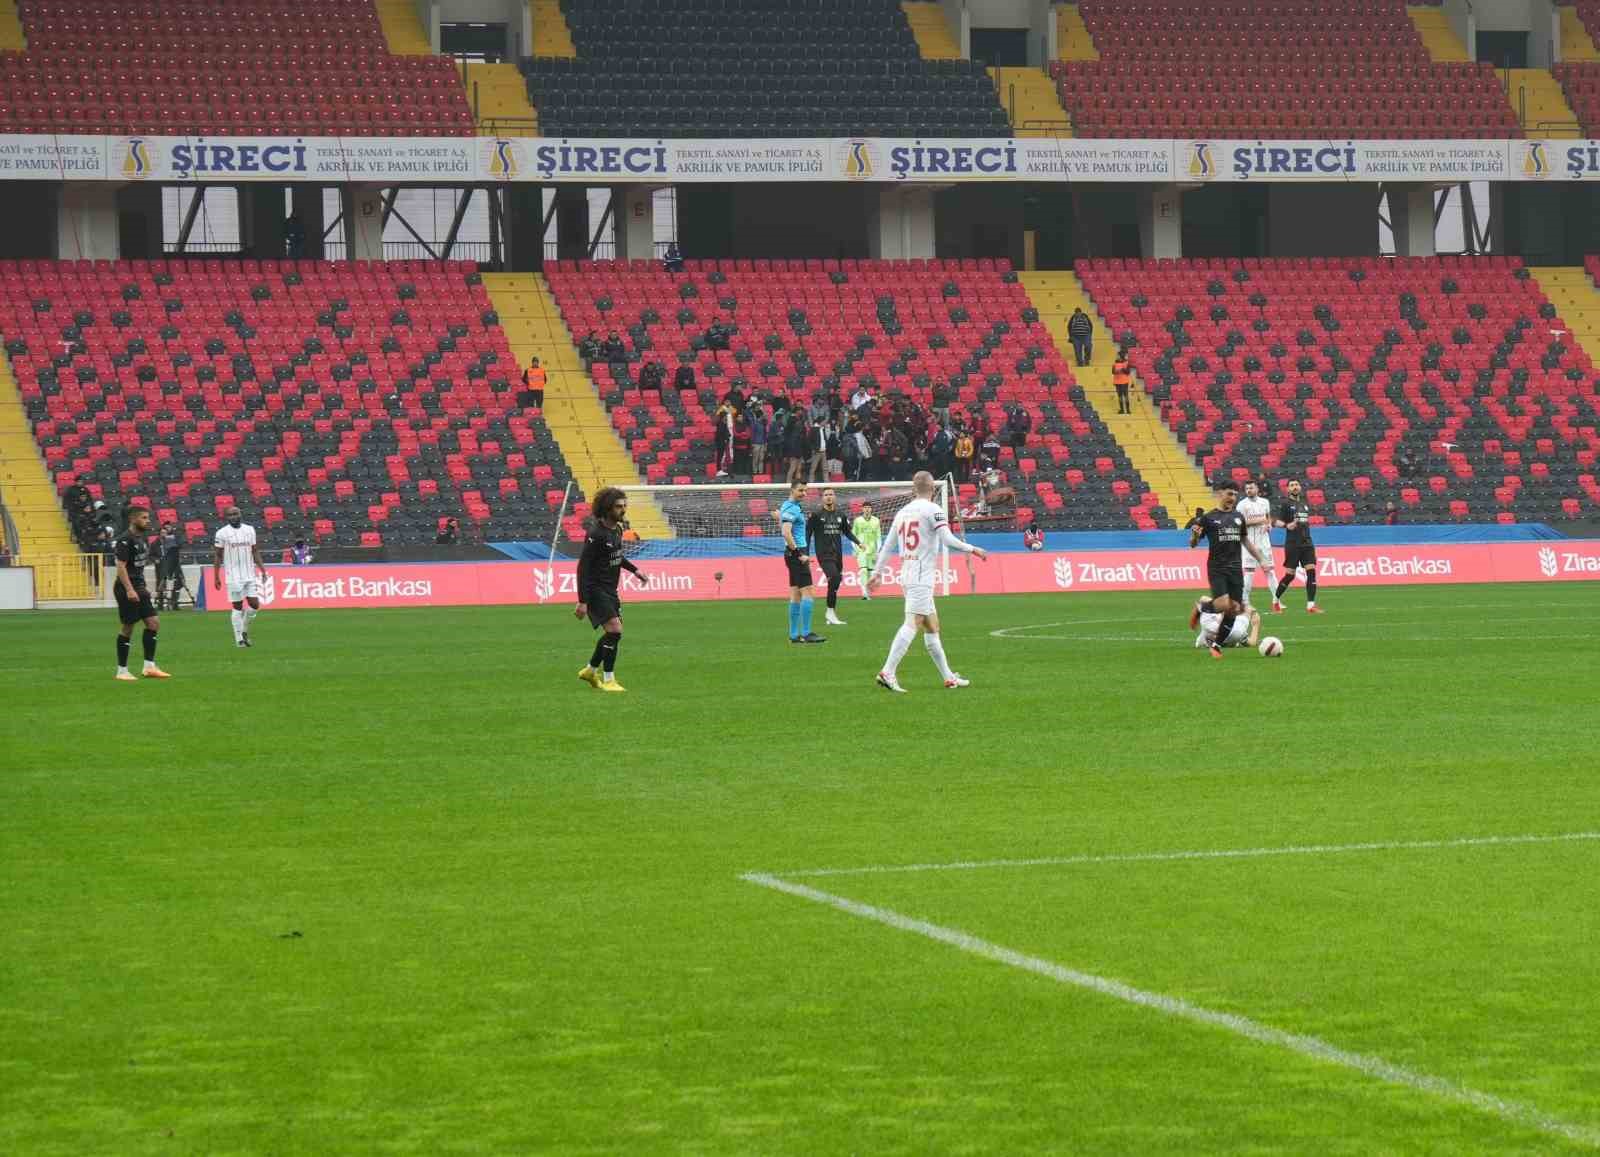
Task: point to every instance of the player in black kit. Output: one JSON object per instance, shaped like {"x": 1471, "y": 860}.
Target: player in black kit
{"x": 1224, "y": 529}
{"x": 1294, "y": 515}
{"x": 826, "y": 530}
{"x": 600, "y": 569}
{"x": 133, "y": 596}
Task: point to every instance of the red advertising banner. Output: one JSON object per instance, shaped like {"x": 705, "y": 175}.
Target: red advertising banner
{"x": 502, "y": 583}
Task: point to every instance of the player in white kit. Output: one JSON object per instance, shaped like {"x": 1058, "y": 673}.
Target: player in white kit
{"x": 920, "y": 532}
{"x": 236, "y": 556}
{"x": 1246, "y": 629}
{"x": 1257, "y": 513}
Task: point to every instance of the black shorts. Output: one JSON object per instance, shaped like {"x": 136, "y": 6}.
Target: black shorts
{"x": 136, "y": 609}
{"x": 602, "y": 609}
{"x": 799, "y": 572}
{"x": 832, "y": 569}
{"x": 1299, "y": 554}
{"x": 1227, "y": 582}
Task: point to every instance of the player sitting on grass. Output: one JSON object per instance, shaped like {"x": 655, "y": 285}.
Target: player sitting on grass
{"x": 600, "y": 569}
{"x": 920, "y": 532}
{"x": 1245, "y": 632}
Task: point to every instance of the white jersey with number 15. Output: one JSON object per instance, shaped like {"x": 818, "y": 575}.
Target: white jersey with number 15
{"x": 920, "y": 531}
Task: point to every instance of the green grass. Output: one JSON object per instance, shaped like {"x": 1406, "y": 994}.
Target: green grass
{"x": 522, "y": 927}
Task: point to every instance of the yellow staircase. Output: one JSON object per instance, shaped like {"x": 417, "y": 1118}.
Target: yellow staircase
{"x": 572, "y": 409}
{"x": 61, "y": 570}
{"x": 1150, "y": 446}
{"x": 1438, "y": 37}
{"x": 1576, "y": 43}
{"x": 498, "y": 95}
{"x": 551, "y": 36}
{"x": 402, "y": 28}
{"x": 1573, "y": 293}
{"x": 1029, "y": 97}
{"x": 932, "y": 30}
{"x": 1539, "y": 102}
{"x": 1073, "y": 41}
{"x": 11, "y": 37}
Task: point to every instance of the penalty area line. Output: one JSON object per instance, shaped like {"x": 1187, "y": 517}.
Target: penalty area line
{"x": 1315, "y": 1048}
{"x": 1198, "y": 854}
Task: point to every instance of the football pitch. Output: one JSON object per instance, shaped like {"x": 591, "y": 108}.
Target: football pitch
{"x": 397, "y": 881}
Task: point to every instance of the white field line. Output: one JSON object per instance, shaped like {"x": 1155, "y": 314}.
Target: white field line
{"x": 1217, "y": 854}
{"x": 1315, "y": 1048}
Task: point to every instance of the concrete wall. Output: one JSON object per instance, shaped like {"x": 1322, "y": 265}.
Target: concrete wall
{"x": 1459, "y": 13}
{"x": 1322, "y": 221}
{"x": 1536, "y": 17}
{"x": 960, "y": 21}
{"x": 1034, "y": 15}
{"x": 511, "y": 13}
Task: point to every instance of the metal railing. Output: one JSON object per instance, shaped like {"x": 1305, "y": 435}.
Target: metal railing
{"x": 64, "y": 577}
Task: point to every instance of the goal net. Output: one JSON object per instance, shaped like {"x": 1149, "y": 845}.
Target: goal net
{"x": 729, "y": 520}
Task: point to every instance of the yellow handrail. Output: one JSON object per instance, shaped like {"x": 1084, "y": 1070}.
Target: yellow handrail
{"x": 63, "y": 577}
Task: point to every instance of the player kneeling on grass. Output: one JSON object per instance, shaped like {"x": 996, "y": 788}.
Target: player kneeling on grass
{"x": 133, "y": 596}
{"x": 1246, "y": 630}
{"x": 235, "y": 554}
{"x": 919, "y": 532}
{"x": 600, "y": 569}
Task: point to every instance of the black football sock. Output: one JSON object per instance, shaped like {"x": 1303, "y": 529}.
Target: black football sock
{"x": 833, "y": 593}
{"x": 1207, "y": 607}
{"x": 1224, "y": 629}
{"x": 124, "y": 645}
{"x": 608, "y": 649}
{"x": 1284, "y": 584}
{"x": 149, "y": 641}
{"x": 1311, "y": 586}
{"x": 599, "y": 653}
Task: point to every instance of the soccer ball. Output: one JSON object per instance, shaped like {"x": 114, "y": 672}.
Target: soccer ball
{"x": 1271, "y": 647}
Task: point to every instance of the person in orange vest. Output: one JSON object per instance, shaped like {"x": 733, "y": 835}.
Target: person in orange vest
{"x": 1122, "y": 378}
{"x": 533, "y": 381}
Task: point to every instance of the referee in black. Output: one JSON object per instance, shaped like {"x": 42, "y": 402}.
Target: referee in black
{"x": 1223, "y": 528}
{"x": 1294, "y": 515}
{"x": 600, "y": 568}
{"x": 826, "y": 530}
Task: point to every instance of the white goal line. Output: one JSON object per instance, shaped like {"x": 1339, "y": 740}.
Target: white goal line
{"x": 1215, "y": 854}
{"x": 1315, "y": 1048}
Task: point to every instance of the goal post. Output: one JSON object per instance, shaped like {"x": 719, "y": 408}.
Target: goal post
{"x": 722, "y": 520}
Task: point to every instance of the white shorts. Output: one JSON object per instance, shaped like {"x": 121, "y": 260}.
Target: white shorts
{"x": 919, "y": 599}
{"x": 1250, "y": 559}
{"x": 238, "y": 592}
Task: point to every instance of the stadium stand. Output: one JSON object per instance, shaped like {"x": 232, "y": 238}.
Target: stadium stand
{"x": 824, "y": 325}
{"x": 1271, "y": 68}
{"x": 759, "y": 68}
{"x": 351, "y": 403}
{"x": 150, "y": 67}
{"x": 1444, "y": 385}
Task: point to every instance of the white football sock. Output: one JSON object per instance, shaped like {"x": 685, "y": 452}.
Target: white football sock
{"x": 238, "y": 625}
{"x": 249, "y": 613}
{"x": 936, "y": 650}
{"x": 898, "y": 648}
{"x": 1249, "y": 580}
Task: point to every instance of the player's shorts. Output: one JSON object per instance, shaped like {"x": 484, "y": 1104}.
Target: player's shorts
{"x": 136, "y": 609}
{"x": 238, "y": 592}
{"x": 603, "y": 609}
{"x": 1250, "y": 559}
{"x": 799, "y": 572}
{"x": 1299, "y": 554}
{"x": 1227, "y": 582}
{"x": 919, "y": 599}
